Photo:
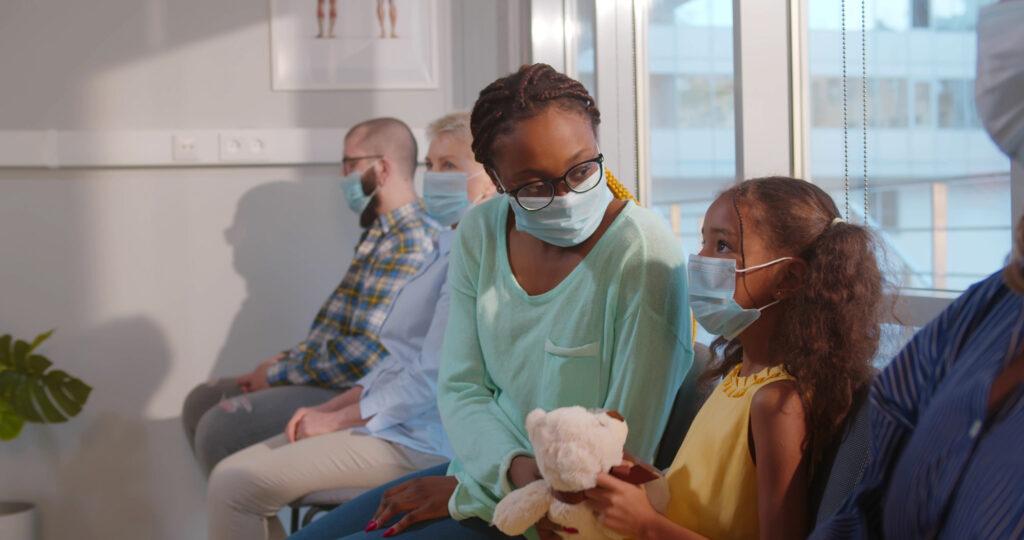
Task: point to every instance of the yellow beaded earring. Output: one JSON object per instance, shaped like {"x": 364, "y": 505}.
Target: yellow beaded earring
{"x": 617, "y": 188}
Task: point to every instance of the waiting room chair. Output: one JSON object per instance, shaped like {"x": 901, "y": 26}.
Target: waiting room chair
{"x": 843, "y": 465}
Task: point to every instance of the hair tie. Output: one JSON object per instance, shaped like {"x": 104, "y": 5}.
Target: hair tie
{"x": 837, "y": 220}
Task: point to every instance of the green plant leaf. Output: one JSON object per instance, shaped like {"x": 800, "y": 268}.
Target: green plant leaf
{"x": 5, "y": 350}
{"x": 51, "y": 397}
{"x": 20, "y": 355}
{"x": 50, "y": 412}
{"x": 38, "y": 364}
{"x": 22, "y": 401}
{"x": 10, "y": 422}
{"x": 31, "y": 393}
{"x": 69, "y": 393}
{"x": 41, "y": 338}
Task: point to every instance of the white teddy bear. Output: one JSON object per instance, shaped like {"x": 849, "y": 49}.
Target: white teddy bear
{"x": 572, "y": 445}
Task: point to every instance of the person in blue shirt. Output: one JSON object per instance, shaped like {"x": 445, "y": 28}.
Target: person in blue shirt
{"x": 947, "y": 415}
{"x": 387, "y": 425}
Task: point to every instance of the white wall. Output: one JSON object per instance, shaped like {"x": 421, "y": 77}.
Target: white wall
{"x": 157, "y": 279}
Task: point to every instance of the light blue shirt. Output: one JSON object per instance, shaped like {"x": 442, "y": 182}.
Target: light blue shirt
{"x": 400, "y": 392}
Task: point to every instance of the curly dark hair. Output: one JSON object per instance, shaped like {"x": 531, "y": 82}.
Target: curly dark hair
{"x": 522, "y": 95}
{"x": 830, "y": 328}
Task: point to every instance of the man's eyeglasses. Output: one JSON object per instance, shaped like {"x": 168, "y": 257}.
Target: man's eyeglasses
{"x": 580, "y": 178}
{"x": 347, "y": 162}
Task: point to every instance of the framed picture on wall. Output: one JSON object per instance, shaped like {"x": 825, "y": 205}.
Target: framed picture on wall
{"x": 353, "y": 44}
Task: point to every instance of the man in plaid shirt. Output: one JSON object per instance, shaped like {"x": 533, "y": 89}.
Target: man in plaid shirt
{"x": 343, "y": 342}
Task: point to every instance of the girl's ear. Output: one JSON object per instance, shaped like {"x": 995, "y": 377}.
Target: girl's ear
{"x": 792, "y": 278}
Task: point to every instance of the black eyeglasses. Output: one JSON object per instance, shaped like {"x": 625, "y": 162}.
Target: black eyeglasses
{"x": 580, "y": 178}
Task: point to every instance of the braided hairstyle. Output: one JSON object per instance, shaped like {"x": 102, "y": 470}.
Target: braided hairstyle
{"x": 522, "y": 95}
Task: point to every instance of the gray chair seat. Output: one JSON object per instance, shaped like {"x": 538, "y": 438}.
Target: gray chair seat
{"x": 329, "y": 497}
{"x": 321, "y": 501}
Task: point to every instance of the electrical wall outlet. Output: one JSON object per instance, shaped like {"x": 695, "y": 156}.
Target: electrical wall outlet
{"x": 243, "y": 146}
{"x": 185, "y": 148}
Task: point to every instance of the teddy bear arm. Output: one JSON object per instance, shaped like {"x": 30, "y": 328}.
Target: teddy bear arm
{"x": 521, "y": 509}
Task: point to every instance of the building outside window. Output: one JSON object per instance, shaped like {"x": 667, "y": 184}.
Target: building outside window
{"x": 940, "y": 189}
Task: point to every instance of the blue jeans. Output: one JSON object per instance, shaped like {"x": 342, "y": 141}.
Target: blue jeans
{"x": 349, "y": 520}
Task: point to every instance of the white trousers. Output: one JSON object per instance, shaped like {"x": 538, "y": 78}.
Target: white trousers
{"x": 249, "y": 487}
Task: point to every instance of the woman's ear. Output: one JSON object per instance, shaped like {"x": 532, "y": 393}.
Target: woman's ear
{"x": 792, "y": 278}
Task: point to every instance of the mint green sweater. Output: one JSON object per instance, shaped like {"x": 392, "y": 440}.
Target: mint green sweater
{"x": 614, "y": 334}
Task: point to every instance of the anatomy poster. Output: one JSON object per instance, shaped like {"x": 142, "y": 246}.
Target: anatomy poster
{"x": 353, "y": 44}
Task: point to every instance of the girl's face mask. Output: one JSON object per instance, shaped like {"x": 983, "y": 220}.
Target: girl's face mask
{"x": 712, "y": 289}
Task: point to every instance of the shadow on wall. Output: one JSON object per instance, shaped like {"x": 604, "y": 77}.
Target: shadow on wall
{"x": 292, "y": 242}
{"x": 112, "y": 468}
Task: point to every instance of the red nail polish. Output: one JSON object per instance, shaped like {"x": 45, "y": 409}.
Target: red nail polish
{"x": 388, "y": 532}
{"x": 371, "y": 526}
{"x": 570, "y": 530}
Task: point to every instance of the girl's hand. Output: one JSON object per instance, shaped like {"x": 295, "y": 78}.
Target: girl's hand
{"x": 620, "y": 506}
{"x": 423, "y": 498}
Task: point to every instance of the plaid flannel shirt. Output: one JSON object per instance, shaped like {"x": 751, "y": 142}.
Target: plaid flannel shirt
{"x": 344, "y": 340}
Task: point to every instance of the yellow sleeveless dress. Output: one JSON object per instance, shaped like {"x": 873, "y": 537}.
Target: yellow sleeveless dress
{"x": 712, "y": 479}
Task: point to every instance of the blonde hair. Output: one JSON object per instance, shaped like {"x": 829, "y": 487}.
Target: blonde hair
{"x": 455, "y": 124}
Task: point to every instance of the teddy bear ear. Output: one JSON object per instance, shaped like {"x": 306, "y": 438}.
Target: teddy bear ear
{"x": 615, "y": 415}
{"x": 534, "y": 418}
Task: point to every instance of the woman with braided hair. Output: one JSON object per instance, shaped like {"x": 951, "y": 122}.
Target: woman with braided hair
{"x": 561, "y": 295}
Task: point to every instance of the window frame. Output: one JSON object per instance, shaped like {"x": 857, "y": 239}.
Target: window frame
{"x": 771, "y": 49}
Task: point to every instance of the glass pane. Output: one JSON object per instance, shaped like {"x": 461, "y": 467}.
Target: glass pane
{"x": 693, "y": 154}
{"x": 586, "y": 22}
{"x": 939, "y": 189}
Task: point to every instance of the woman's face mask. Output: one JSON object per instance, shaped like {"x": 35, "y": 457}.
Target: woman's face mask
{"x": 444, "y": 195}
{"x": 569, "y": 219}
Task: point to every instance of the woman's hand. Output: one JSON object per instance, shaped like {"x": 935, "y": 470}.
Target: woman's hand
{"x": 621, "y": 506}
{"x": 419, "y": 499}
{"x": 312, "y": 421}
{"x": 522, "y": 471}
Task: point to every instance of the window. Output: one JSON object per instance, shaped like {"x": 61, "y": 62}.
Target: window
{"x": 584, "y": 22}
{"x": 939, "y": 188}
{"x": 691, "y": 101}
{"x": 956, "y": 104}
{"x": 922, "y": 103}
{"x": 887, "y": 102}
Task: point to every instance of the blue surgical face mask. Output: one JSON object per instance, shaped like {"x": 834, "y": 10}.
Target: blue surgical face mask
{"x": 352, "y": 185}
{"x": 711, "y": 290}
{"x": 999, "y": 89}
{"x": 444, "y": 195}
{"x": 569, "y": 219}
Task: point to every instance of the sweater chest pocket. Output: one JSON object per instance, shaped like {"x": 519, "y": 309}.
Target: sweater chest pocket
{"x": 572, "y": 375}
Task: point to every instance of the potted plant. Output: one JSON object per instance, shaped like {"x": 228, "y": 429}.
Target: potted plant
{"x": 31, "y": 392}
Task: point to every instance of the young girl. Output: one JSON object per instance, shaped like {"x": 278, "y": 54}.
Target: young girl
{"x": 793, "y": 291}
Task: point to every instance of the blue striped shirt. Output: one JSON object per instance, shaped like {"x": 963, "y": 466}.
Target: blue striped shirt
{"x": 941, "y": 466}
